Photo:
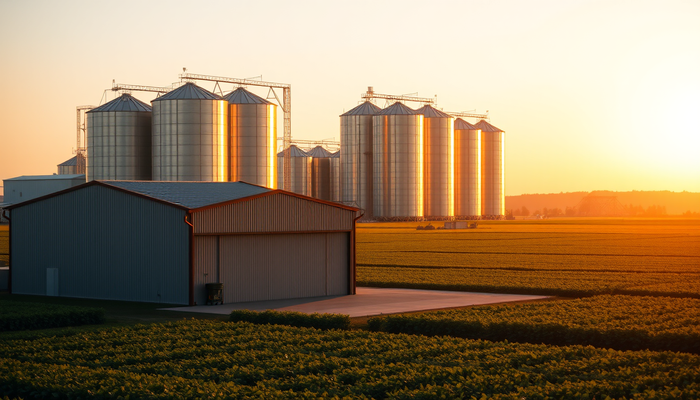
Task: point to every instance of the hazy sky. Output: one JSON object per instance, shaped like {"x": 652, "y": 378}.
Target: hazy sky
{"x": 592, "y": 95}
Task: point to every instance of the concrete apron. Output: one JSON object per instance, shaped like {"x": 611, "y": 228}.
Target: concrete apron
{"x": 368, "y": 301}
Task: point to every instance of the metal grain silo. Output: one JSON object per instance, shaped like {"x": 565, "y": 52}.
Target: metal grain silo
{"x": 493, "y": 194}
{"x": 398, "y": 164}
{"x": 190, "y": 136}
{"x": 356, "y": 159}
{"x": 252, "y": 139}
{"x": 438, "y": 163}
{"x": 467, "y": 170}
{"x": 300, "y": 177}
{"x": 320, "y": 173}
{"x": 335, "y": 176}
{"x": 119, "y": 140}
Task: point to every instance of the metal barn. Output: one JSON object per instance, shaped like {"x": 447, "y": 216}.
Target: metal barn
{"x": 164, "y": 241}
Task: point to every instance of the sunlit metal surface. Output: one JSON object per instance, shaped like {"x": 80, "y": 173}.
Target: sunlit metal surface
{"x": 335, "y": 176}
{"x": 467, "y": 170}
{"x": 190, "y": 136}
{"x": 253, "y": 138}
{"x": 300, "y": 166}
{"x": 356, "y": 159}
{"x": 438, "y": 160}
{"x": 119, "y": 140}
{"x": 492, "y": 171}
{"x": 398, "y": 164}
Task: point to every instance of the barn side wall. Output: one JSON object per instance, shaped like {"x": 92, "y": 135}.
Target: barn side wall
{"x": 105, "y": 244}
{"x": 277, "y": 212}
{"x": 274, "y": 247}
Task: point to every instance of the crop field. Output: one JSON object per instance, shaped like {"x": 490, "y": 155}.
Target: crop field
{"x": 620, "y": 322}
{"x": 561, "y": 257}
{"x": 205, "y": 359}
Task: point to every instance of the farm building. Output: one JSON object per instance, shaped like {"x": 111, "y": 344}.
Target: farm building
{"x": 163, "y": 241}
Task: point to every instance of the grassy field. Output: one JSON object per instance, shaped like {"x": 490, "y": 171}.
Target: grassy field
{"x": 560, "y": 256}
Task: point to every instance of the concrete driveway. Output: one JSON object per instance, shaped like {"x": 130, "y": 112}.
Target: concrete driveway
{"x": 369, "y": 301}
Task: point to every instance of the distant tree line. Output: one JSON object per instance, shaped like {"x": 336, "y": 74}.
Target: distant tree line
{"x": 632, "y": 211}
{"x": 651, "y": 211}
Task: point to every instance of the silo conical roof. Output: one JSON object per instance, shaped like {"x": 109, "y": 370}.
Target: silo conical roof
{"x": 464, "y": 125}
{"x": 366, "y": 108}
{"x": 189, "y": 91}
{"x": 336, "y": 154}
{"x": 294, "y": 151}
{"x": 319, "y": 152}
{"x": 431, "y": 112}
{"x": 125, "y": 102}
{"x": 397, "y": 108}
{"x": 486, "y": 127}
{"x": 242, "y": 96}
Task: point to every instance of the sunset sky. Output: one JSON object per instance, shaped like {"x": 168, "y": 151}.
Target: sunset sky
{"x": 593, "y": 95}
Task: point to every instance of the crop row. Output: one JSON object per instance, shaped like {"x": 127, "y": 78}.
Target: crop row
{"x": 557, "y": 283}
{"x": 620, "y": 322}
{"x": 17, "y": 316}
{"x": 197, "y": 359}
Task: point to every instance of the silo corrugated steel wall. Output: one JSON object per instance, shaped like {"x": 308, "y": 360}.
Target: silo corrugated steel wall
{"x": 398, "y": 167}
{"x": 321, "y": 178}
{"x": 253, "y": 144}
{"x": 300, "y": 176}
{"x": 438, "y": 142}
{"x": 105, "y": 243}
{"x": 467, "y": 171}
{"x": 190, "y": 140}
{"x": 281, "y": 266}
{"x": 335, "y": 176}
{"x": 356, "y": 158}
{"x": 493, "y": 200}
{"x": 118, "y": 144}
{"x": 276, "y": 212}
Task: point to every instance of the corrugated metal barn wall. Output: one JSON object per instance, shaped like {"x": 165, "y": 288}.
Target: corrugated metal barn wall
{"x": 106, "y": 244}
{"x": 277, "y": 212}
{"x": 276, "y": 266}
{"x": 273, "y": 247}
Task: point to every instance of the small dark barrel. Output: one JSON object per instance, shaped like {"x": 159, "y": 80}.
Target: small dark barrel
{"x": 215, "y": 293}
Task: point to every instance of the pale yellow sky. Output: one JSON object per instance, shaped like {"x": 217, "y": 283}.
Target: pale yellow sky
{"x": 592, "y": 94}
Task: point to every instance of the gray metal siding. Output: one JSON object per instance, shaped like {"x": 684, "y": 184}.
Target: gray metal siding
{"x": 277, "y": 212}
{"x": 270, "y": 267}
{"x": 105, "y": 243}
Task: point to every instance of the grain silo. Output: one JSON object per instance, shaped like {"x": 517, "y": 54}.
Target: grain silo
{"x": 438, "y": 163}
{"x": 467, "y": 170}
{"x": 190, "y": 131}
{"x": 320, "y": 173}
{"x": 300, "y": 176}
{"x": 253, "y": 139}
{"x": 398, "y": 164}
{"x": 335, "y": 176}
{"x": 356, "y": 160}
{"x": 119, "y": 140}
{"x": 493, "y": 195}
